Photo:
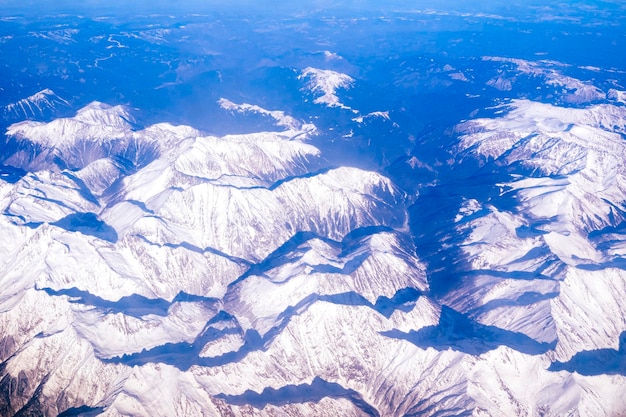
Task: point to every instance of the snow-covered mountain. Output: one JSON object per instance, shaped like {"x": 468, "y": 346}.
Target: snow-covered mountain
{"x": 280, "y": 118}
{"x": 324, "y": 85}
{"x": 572, "y": 90}
{"x": 41, "y": 104}
{"x": 121, "y": 252}
{"x": 163, "y": 271}
{"x": 567, "y": 179}
{"x": 96, "y": 131}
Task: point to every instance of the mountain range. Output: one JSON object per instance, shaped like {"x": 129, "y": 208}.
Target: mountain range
{"x": 159, "y": 270}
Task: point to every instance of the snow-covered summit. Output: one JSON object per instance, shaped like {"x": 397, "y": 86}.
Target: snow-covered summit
{"x": 570, "y": 89}
{"x": 36, "y": 105}
{"x": 325, "y": 83}
{"x": 281, "y": 119}
{"x": 533, "y": 128}
{"x": 373, "y": 115}
{"x": 94, "y": 122}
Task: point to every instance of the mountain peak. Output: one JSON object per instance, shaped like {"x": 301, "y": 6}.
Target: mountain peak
{"x": 325, "y": 83}
{"x": 36, "y": 106}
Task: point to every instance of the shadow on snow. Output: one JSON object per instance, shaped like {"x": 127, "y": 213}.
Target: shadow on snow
{"x": 596, "y": 362}
{"x": 131, "y": 305}
{"x": 458, "y": 332}
{"x": 314, "y": 392}
{"x": 183, "y": 355}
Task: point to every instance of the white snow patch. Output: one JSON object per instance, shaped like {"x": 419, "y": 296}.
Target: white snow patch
{"x": 616, "y": 95}
{"x": 281, "y": 118}
{"x": 574, "y": 90}
{"x": 377, "y": 114}
{"x": 325, "y": 83}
